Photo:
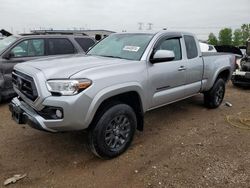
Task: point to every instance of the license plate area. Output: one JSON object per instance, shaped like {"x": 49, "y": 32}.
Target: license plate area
{"x": 17, "y": 114}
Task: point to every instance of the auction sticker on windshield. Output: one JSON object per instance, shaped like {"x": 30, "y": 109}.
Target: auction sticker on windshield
{"x": 131, "y": 48}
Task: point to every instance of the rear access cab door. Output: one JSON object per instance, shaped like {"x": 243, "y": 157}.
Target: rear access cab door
{"x": 194, "y": 65}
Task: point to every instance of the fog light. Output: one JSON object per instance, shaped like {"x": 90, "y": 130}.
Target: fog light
{"x": 59, "y": 113}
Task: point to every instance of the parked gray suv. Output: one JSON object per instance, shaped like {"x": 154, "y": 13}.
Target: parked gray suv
{"x": 17, "y": 49}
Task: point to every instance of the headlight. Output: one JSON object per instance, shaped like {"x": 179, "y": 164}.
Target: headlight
{"x": 67, "y": 87}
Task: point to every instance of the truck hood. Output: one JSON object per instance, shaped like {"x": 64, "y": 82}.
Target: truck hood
{"x": 66, "y": 66}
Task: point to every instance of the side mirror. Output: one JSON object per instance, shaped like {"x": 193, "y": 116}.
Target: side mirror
{"x": 162, "y": 56}
{"x": 9, "y": 55}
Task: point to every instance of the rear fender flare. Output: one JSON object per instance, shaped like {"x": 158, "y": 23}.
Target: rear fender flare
{"x": 216, "y": 74}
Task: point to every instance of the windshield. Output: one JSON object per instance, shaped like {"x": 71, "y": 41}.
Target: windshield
{"x": 6, "y": 42}
{"x": 125, "y": 46}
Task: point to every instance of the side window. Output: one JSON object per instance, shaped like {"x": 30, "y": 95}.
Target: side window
{"x": 191, "y": 47}
{"x": 20, "y": 50}
{"x": 29, "y": 48}
{"x": 85, "y": 43}
{"x": 172, "y": 45}
{"x": 60, "y": 46}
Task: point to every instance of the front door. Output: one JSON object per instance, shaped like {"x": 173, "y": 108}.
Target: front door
{"x": 167, "y": 79}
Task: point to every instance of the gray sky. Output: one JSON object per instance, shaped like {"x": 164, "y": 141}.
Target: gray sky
{"x": 197, "y": 16}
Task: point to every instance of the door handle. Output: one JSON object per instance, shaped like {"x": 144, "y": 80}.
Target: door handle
{"x": 182, "y": 68}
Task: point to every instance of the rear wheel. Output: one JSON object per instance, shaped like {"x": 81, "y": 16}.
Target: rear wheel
{"x": 113, "y": 132}
{"x": 214, "y": 97}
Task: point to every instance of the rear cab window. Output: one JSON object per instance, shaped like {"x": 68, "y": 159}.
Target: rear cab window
{"x": 59, "y": 46}
{"x": 85, "y": 43}
{"x": 191, "y": 47}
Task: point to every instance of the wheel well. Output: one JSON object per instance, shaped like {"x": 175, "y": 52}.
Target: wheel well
{"x": 224, "y": 75}
{"x": 131, "y": 98}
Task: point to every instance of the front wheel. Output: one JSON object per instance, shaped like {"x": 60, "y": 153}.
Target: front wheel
{"x": 214, "y": 97}
{"x": 113, "y": 132}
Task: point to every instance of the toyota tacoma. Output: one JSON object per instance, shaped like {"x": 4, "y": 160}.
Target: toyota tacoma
{"x": 108, "y": 90}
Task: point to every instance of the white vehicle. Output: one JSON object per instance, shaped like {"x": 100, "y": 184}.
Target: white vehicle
{"x": 207, "y": 47}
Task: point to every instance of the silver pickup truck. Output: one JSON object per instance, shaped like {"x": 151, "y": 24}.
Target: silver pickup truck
{"x": 108, "y": 90}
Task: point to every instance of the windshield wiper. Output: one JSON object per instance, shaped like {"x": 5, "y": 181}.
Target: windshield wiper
{"x": 112, "y": 56}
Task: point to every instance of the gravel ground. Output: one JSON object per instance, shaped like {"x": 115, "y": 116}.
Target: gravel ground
{"x": 183, "y": 145}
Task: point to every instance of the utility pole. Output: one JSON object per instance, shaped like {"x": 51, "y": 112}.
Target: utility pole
{"x": 140, "y": 25}
{"x": 150, "y": 26}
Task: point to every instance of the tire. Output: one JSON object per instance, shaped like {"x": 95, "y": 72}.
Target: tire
{"x": 113, "y": 131}
{"x": 214, "y": 97}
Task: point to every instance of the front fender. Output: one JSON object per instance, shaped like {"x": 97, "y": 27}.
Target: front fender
{"x": 112, "y": 91}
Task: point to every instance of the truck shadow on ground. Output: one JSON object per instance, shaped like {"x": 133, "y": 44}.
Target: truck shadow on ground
{"x": 5, "y": 102}
{"x": 242, "y": 87}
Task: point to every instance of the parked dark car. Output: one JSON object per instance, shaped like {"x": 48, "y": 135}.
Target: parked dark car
{"x": 229, "y": 49}
{"x": 18, "y": 49}
{"x": 241, "y": 76}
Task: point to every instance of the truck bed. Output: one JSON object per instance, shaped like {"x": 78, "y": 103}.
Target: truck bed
{"x": 204, "y": 54}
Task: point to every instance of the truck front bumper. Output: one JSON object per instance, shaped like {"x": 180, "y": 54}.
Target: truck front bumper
{"x": 74, "y": 114}
{"x": 24, "y": 114}
{"x": 241, "y": 78}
